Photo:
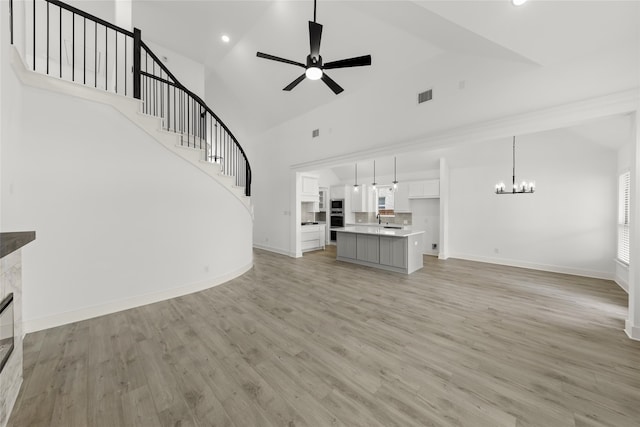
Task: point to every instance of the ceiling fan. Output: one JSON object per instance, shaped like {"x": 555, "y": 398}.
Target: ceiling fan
{"x": 314, "y": 69}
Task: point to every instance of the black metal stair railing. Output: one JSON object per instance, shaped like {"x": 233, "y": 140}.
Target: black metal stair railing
{"x": 73, "y": 45}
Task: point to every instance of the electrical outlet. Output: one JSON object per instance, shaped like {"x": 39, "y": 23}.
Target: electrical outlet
{"x": 406, "y": 222}
{"x": 496, "y": 250}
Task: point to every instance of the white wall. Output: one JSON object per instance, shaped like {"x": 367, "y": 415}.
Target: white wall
{"x": 568, "y": 225}
{"x": 104, "y": 9}
{"x": 10, "y": 106}
{"x": 273, "y": 194}
{"x": 425, "y": 216}
{"x": 120, "y": 220}
{"x": 189, "y": 72}
{"x": 123, "y": 14}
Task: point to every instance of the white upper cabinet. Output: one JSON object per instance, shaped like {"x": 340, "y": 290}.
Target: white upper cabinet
{"x": 338, "y": 192}
{"x": 309, "y": 188}
{"x": 427, "y": 189}
{"x": 364, "y": 200}
{"x": 401, "y": 198}
{"x": 323, "y": 194}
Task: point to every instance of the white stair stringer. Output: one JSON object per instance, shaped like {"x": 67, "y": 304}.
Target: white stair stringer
{"x": 131, "y": 108}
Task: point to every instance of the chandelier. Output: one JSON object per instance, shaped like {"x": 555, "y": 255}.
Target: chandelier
{"x": 523, "y": 188}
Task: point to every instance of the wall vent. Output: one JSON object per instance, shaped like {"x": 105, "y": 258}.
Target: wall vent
{"x": 425, "y": 96}
{"x": 315, "y": 133}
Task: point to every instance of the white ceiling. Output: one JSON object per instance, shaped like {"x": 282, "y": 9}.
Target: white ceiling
{"x": 398, "y": 34}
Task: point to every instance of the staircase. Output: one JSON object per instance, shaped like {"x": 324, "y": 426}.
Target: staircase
{"x": 65, "y": 49}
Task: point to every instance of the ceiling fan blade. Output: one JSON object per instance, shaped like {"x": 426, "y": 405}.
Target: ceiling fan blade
{"x": 335, "y": 87}
{"x": 358, "y": 61}
{"x": 295, "y": 82}
{"x": 315, "y": 34}
{"x": 277, "y": 58}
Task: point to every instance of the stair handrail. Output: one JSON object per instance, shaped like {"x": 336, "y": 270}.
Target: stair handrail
{"x": 193, "y": 95}
{"x": 137, "y": 75}
{"x": 89, "y": 16}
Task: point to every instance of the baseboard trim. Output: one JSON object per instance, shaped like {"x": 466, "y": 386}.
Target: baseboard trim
{"x": 632, "y": 332}
{"x": 274, "y": 250}
{"x": 535, "y": 266}
{"x": 111, "y": 307}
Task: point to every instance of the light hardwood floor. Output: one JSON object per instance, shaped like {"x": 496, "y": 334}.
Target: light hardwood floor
{"x": 316, "y": 342}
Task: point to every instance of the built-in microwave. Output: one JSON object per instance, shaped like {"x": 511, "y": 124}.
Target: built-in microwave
{"x": 337, "y": 207}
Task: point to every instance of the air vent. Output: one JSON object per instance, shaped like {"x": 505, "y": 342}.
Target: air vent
{"x": 425, "y": 96}
{"x": 315, "y": 133}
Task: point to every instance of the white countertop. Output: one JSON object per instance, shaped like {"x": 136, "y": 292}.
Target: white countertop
{"x": 376, "y": 230}
{"x": 375, "y": 224}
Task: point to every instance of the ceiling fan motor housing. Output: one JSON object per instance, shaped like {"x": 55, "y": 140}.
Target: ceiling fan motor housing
{"x": 312, "y": 62}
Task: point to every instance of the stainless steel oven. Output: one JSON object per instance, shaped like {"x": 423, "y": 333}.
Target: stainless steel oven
{"x": 337, "y": 217}
{"x": 337, "y": 221}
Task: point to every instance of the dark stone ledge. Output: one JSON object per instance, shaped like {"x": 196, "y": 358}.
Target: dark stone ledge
{"x": 11, "y": 242}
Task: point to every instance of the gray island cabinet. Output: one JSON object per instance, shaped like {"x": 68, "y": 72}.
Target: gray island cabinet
{"x": 393, "y": 250}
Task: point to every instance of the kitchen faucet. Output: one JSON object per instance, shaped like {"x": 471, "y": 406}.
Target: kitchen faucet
{"x": 379, "y": 219}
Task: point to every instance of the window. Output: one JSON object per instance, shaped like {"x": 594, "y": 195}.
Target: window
{"x": 624, "y": 189}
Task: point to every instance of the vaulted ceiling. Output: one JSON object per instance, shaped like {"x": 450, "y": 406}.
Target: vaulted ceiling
{"x": 400, "y": 35}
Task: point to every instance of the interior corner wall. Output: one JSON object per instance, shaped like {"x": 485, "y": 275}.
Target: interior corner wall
{"x": 567, "y": 225}
{"x": 120, "y": 220}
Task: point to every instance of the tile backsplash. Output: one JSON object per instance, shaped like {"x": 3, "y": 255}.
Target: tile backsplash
{"x": 399, "y": 218}
{"x": 307, "y": 216}
{"x": 313, "y": 216}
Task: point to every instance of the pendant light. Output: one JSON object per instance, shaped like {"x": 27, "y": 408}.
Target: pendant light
{"x": 355, "y": 186}
{"x": 395, "y": 177}
{"x": 523, "y": 188}
{"x": 374, "y": 176}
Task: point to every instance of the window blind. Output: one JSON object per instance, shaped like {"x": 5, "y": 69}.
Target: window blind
{"x": 623, "y": 216}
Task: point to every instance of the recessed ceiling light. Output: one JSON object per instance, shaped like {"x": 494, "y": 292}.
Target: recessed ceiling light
{"x": 225, "y": 38}
{"x": 518, "y": 2}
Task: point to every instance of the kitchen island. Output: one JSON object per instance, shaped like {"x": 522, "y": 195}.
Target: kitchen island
{"x": 388, "y": 249}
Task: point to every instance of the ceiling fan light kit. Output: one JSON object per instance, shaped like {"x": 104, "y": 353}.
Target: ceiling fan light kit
{"x": 314, "y": 68}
